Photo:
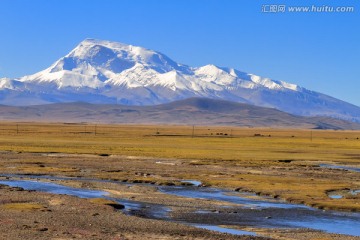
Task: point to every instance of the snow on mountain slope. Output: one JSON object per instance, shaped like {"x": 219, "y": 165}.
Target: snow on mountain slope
{"x": 5, "y": 83}
{"x": 98, "y": 71}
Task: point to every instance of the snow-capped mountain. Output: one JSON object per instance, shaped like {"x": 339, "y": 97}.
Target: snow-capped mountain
{"x": 99, "y": 71}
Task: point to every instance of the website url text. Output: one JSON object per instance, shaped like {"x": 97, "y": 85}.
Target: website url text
{"x": 273, "y": 8}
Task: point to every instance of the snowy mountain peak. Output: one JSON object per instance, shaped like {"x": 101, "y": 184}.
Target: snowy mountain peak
{"x": 99, "y": 71}
{"x": 103, "y": 53}
{"x": 96, "y": 63}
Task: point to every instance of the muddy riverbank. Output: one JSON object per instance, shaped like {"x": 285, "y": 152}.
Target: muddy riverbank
{"x": 206, "y": 208}
{"x": 36, "y": 215}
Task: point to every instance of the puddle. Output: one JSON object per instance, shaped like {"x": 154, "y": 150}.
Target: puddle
{"x": 353, "y": 169}
{"x": 339, "y": 194}
{"x": 336, "y": 196}
{"x": 203, "y": 211}
{"x": 225, "y": 230}
{"x": 354, "y": 192}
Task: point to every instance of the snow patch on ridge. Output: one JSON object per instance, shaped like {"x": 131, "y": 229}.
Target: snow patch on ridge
{"x": 274, "y": 85}
{"x": 6, "y": 83}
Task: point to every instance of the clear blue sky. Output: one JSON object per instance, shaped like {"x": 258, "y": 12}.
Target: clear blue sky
{"x": 319, "y": 51}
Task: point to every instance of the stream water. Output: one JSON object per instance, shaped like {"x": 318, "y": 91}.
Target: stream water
{"x": 353, "y": 169}
{"x": 253, "y": 212}
{"x": 224, "y": 195}
{"x": 54, "y": 188}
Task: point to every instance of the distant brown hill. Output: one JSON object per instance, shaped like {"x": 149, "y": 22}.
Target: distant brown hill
{"x": 192, "y": 111}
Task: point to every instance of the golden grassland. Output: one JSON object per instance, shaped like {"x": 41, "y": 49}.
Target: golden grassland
{"x": 23, "y": 206}
{"x": 278, "y": 162}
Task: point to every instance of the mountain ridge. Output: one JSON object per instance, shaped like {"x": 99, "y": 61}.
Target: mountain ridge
{"x": 192, "y": 111}
{"x": 98, "y": 71}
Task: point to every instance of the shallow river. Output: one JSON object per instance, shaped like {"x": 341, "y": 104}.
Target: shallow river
{"x": 252, "y": 211}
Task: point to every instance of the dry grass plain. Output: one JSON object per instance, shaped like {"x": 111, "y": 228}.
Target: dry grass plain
{"x": 283, "y": 163}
